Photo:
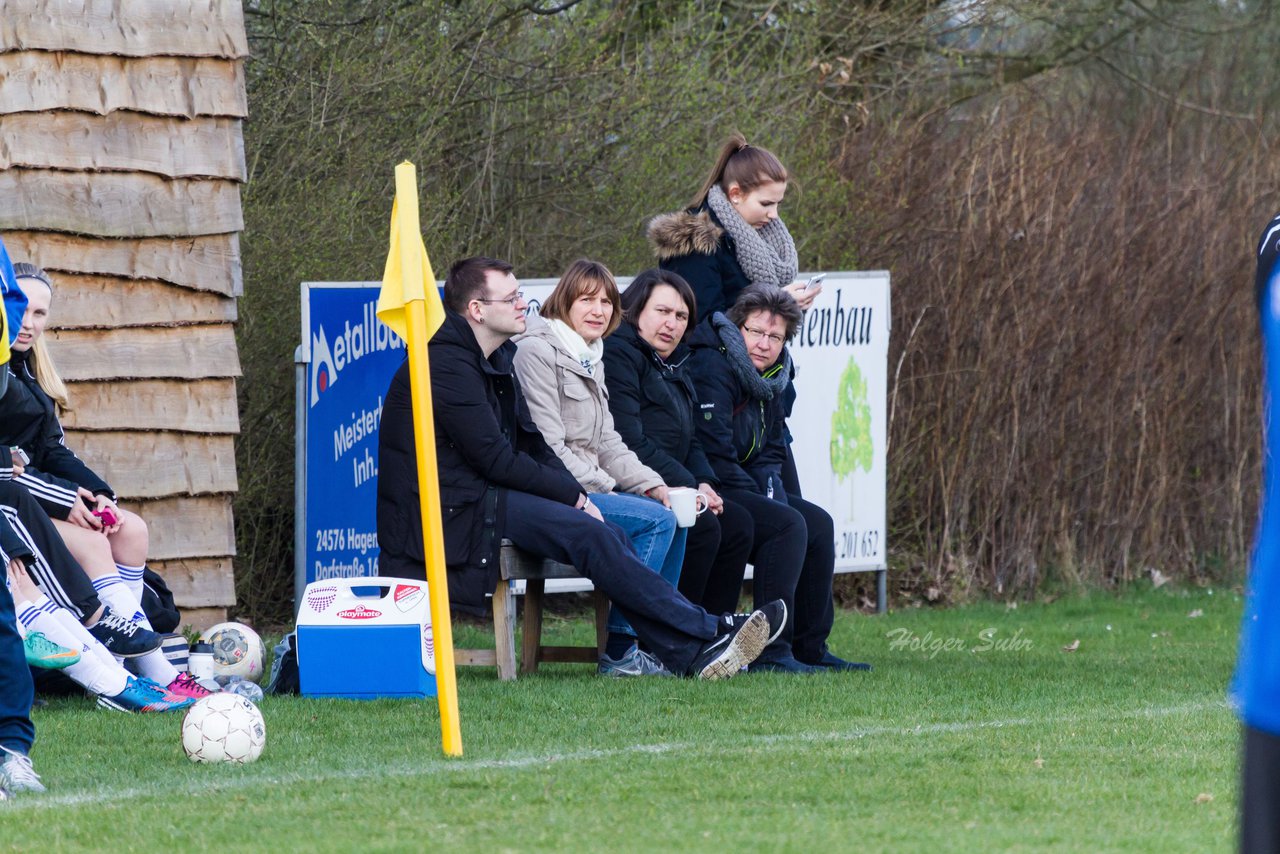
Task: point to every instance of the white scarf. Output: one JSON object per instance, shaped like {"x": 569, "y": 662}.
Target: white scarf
{"x": 588, "y": 355}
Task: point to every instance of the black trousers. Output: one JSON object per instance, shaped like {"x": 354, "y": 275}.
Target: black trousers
{"x": 54, "y": 570}
{"x": 669, "y": 625}
{"x": 715, "y": 559}
{"x": 794, "y": 556}
{"x": 1260, "y": 793}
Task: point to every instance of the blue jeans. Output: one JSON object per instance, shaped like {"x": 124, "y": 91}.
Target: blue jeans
{"x": 16, "y": 731}
{"x": 652, "y": 528}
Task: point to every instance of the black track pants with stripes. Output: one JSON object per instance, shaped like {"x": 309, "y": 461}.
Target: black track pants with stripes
{"x": 56, "y": 572}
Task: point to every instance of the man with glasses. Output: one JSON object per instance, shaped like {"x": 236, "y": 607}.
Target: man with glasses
{"x": 499, "y": 479}
{"x": 741, "y": 370}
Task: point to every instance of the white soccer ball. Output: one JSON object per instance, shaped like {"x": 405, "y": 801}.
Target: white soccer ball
{"x": 237, "y": 651}
{"x": 223, "y": 728}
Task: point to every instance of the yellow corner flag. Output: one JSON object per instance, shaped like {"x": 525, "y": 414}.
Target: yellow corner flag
{"x": 410, "y": 304}
{"x": 407, "y": 277}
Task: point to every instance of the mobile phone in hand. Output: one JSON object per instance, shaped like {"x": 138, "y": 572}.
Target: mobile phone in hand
{"x": 106, "y": 516}
{"x": 814, "y": 281}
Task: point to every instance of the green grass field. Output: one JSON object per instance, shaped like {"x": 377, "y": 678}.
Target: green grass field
{"x": 959, "y": 740}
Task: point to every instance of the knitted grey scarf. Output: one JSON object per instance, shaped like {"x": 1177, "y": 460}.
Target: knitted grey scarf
{"x": 758, "y": 386}
{"x": 766, "y": 255}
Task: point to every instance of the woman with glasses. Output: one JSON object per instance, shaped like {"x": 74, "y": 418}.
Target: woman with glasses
{"x": 741, "y": 369}
{"x": 559, "y": 364}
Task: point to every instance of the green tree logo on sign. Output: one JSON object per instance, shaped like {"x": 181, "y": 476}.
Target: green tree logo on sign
{"x": 851, "y": 424}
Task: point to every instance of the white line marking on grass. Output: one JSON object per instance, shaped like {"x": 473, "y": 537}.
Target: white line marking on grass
{"x": 433, "y": 767}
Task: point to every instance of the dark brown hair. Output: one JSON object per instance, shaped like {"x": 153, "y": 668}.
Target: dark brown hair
{"x": 637, "y": 294}
{"x": 23, "y": 270}
{"x": 584, "y": 276}
{"x": 768, "y": 298}
{"x": 743, "y": 164}
{"x": 467, "y": 280}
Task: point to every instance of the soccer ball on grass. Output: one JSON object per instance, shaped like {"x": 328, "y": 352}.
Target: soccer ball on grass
{"x": 223, "y": 728}
{"x": 237, "y": 651}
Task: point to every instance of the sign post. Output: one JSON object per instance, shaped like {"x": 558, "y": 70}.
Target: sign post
{"x": 839, "y": 426}
{"x": 346, "y": 362}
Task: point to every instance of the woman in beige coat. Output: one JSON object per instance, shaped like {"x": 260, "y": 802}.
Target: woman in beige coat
{"x": 558, "y": 363}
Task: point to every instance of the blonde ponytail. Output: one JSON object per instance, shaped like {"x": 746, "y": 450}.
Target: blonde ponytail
{"x": 46, "y": 374}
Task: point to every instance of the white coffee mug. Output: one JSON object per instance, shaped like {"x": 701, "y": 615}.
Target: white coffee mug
{"x": 687, "y": 504}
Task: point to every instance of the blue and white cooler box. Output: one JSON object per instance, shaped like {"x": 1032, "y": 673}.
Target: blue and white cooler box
{"x": 363, "y": 638}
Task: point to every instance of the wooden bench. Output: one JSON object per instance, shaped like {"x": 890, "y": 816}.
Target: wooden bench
{"x": 514, "y": 565}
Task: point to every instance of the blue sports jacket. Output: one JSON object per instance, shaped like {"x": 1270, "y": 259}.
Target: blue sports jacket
{"x": 1255, "y": 691}
{"x": 15, "y": 304}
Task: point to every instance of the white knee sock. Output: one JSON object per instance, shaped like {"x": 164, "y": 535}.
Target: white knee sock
{"x": 74, "y": 626}
{"x": 132, "y": 576}
{"x": 98, "y": 676}
{"x": 156, "y": 667}
{"x": 113, "y": 590}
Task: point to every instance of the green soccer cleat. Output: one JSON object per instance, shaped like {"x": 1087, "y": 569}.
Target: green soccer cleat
{"x": 47, "y": 655}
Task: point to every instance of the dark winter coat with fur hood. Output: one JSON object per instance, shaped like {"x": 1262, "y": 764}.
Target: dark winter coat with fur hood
{"x": 695, "y": 245}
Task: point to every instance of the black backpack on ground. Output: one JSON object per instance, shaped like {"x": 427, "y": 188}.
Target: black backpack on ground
{"x": 158, "y": 604}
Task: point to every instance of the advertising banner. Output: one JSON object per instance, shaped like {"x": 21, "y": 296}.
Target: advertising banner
{"x": 838, "y": 426}
{"x": 346, "y": 362}
{"x": 347, "y": 358}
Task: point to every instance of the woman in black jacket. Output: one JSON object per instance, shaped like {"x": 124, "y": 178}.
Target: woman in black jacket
{"x": 741, "y": 369}
{"x": 109, "y": 542}
{"x": 652, "y": 400}
{"x": 731, "y": 237}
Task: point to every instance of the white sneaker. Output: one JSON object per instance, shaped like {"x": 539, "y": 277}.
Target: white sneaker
{"x": 16, "y": 773}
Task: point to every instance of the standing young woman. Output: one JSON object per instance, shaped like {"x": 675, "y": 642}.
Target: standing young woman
{"x": 731, "y": 236}
{"x": 558, "y": 363}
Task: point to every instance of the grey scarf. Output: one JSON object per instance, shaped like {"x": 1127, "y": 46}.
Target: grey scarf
{"x": 758, "y": 386}
{"x": 766, "y": 255}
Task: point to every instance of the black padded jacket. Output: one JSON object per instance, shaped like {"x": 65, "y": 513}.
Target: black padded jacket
{"x": 29, "y": 420}
{"x": 486, "y": 444}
